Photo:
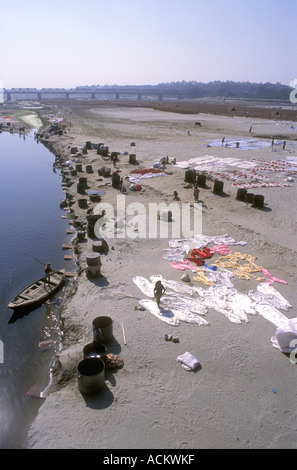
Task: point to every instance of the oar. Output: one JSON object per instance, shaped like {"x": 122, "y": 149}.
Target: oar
{"x": 42, "y": 263}
{"x": 36, "y": 259}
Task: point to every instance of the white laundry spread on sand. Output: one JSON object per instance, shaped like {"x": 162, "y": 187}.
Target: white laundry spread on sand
{"x": 165, "y": 315}
{"x": 177, "y": 286}
{"x": 184, "y": 302}
{"x": 244, "y": 144}
{"x": 266, "y": 293}
{"x": 174, "y": 308}
{"x": 181, "y": 302}
{"x": 144, "y": 285}
{"x": 137, "y": 177}
{"x": 228, "y": 301}
{"x": 271, "y": 313}
{"x": 218, "y": 298}
{"x": 203, "y": 240}
{"x": 209, "y": 163}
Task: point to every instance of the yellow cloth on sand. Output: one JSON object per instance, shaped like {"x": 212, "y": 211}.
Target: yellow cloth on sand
{"x": 243, "y": 271}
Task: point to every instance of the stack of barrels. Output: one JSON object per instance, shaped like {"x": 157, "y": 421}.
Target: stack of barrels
{"x": 256, "y": 200}
{"x": 94, "y": 264}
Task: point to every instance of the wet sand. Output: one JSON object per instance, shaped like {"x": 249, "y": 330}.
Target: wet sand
{"x": 243, "y": 394}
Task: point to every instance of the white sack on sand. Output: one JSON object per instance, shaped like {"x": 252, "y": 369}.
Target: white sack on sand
{"x": 188, "y": 361}
{"x": 285, "y": 337}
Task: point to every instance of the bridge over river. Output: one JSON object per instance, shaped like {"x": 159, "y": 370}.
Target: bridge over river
{"x": 83, "y": 93}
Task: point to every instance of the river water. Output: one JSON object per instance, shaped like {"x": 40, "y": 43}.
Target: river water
{"x": 31, "y": 227}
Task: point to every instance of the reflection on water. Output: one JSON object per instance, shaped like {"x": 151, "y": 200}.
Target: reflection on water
{"x": 31, "y": 227}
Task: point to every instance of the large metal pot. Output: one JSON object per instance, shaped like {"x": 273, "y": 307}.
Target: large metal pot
{"x": 91, "y": 375}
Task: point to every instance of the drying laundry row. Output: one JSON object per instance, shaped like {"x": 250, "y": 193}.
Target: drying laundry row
{"x": 191, "y": 304}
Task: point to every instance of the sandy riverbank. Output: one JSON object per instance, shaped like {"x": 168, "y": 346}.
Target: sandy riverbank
{"x": 243, "y": 394}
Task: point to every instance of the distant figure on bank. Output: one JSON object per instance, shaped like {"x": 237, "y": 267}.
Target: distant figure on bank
{"x": 223, "y": 139}
{"x": 196, "y": 193}
{"x": 251, "y": 128}
{"x": 272, "y": 143}
{"x": 176, "y": 196}
{"x": 158, "y": 292}
{"x": 48, "y": 271}
{"x": 284, "y": 145}
{"x": 115, "y": 159}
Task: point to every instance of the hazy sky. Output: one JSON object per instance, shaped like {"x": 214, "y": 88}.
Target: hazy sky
{"x": 64, "y": 43}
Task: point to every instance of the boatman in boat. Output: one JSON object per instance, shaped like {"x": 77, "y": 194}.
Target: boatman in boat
{"x": 48, "y": 271}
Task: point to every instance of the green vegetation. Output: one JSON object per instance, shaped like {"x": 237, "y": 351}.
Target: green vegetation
{"x": 228, "y": 89}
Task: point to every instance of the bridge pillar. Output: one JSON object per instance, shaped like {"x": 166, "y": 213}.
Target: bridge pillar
{"x": 67, "y": 95}
{"x": 93, "y": 97}
{"x": 8, "y": 96}
{"x": 160, "y": 97}
{"x": 117, "y": 96}
{"x": 39, "y": 95}
{"x": 139, "y": 96}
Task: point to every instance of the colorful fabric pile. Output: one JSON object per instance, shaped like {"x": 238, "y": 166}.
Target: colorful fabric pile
{"x": 243, "y": 173}
{"x": 146, "y": 171}
{"x": 198, "y": 256}
{"x": 139, "y": 175}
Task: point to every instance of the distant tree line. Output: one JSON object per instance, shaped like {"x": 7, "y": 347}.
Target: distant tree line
{"x": 228, "y": 89}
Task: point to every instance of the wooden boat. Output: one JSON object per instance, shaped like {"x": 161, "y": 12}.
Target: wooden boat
{"x": 38, "y": 292}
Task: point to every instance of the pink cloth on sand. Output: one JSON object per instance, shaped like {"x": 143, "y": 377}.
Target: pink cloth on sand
{"x": 222, "y": 249}
{"x": 182, "y": 265}
{"x": 272, "y": 279}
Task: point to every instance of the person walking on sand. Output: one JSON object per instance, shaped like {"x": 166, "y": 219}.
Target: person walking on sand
{"x": 158, "y": 292}
{"x": 48, "y": 271}
{"x": 196, "y": 193}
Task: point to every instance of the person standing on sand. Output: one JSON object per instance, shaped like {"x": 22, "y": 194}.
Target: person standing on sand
{"x": 176, "y": 196}
{"x": 196, "y": 193}
{"x": 158, "y": 292}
